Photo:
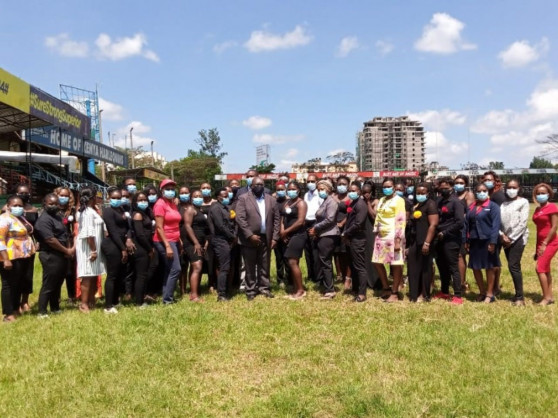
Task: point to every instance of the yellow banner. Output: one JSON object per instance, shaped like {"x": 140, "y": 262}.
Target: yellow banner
{"x": 14, "y": 91}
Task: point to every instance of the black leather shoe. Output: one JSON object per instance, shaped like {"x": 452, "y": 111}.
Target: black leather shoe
{"x": 223, "y": 299}
{"x": 267, "y": 294}
{"x": 250, "y": 297}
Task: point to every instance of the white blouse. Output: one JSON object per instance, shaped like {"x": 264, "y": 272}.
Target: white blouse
{"x": 514, "y": 216}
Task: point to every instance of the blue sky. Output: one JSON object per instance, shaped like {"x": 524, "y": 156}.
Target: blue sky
{"x": 301, "y": 76}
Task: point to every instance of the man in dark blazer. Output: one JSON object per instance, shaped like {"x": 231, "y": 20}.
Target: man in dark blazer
{"x": 258, "y": 231}
{"x": 250, "y": 175}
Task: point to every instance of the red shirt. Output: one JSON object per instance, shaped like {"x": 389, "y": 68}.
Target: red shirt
{"x": 541, "y": 218}
{"x": 171, "y": 220}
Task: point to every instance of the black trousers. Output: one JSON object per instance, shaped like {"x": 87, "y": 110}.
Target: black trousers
{"x": 359, "y": 269}
{"x": 115, "y": 271}
{"x": 55, "y": 268}
{"x": 71, "y": 278}
{"x": 311, "y": 255}
{"x": 447, "y": 260}
{"x": 281, "y": 264}
{"x": 129, "y": 276}
{"x": 256, "y": 260}
{"x": 145, "y": 267}
{"x": 419, "y": 271}
{"x": 12, "y": 283}
{"x": 211, "y": 265}
{"x": 326, "y": 247}
{"x": 373, "y": 276}
{"x": 513, "y": 255}
{"x": 26, "y": 281}
{"x": 222, "y": 251}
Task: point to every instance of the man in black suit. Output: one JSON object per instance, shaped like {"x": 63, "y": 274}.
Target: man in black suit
{"x": 250, "y": 175}
{"x": 258, "y": 231}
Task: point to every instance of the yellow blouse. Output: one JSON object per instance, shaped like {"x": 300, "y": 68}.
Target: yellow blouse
{"x": 14, "y": 237}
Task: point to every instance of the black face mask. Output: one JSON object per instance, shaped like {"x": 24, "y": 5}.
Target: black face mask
{"x": 235, "y": 189}
{"x": 445, "y": 193}
{"x": 24, "y": 197}
{"x": 258, "y": 190}
{"x": 51, "y": 210}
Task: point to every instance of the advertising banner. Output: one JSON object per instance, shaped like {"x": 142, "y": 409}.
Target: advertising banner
{"x": 52, "y": 137}
{"x": 13, "y": 91}
{"x": 55, "y": 111}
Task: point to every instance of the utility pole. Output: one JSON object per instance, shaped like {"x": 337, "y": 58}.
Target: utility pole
{"x": 152, "y": 157}
{"x": 132, "y": 148}
{"x": 103, "y": 172}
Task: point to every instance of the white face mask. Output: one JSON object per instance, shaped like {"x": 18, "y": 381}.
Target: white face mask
{"x": 512, "y": 193}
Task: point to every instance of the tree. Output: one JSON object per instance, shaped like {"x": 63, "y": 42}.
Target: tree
{"x": 495, "y": 165}
{"x": 264, "y": 168}
{"x": 340, "y": 159}
{"x": 540, "y": 162}
{"x": 551, "y": 145}
{"x": 210, "y": 144}
{"x": 194, "y": 169}
{"x": 313, "y": 165}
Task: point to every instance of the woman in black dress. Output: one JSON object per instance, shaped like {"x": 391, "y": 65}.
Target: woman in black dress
{"x": 294, "y": 236}
{"x": 145, "y": 257}
{"x": 423, "y": 223}
{"x": 195, "y": 242}
{"x": 341, "y": 253}
{"x": 184, "y": 201}
{"x": 67, "y": 205}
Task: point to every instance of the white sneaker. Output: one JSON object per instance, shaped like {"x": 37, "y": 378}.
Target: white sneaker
{"x": 111, "y": 310}
{"x": 42, "y": 316}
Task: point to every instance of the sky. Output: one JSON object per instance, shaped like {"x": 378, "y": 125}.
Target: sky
{"x": 301, "y": 76}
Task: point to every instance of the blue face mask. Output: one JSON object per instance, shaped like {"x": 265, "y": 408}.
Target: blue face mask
{"x": 184, "y": 197}
{"x": 322, "y": 194}
{"x": 125, "y": 200}
{"x": 16, "y": 210}
{"x": 489, "y": 185}
{"x": 388, "y": 191}
{"x": 293, "y": 194}
{"x": 353, "y": 195}
{"x": 311, "y": 186}
{"x": 482, "y": 196}
{"x": 410, "y": 189}
{"x": 143, "y": 205}
{"x": 131, "y": 188}
{"x": 197, "y": 201}
{"x": 115, "y": 203}
{"x": 249, "y": 181}
{"x": 542, "y": 198}
{"x": 152, "y": 198}
{"x": 169, "y": 194}
{"x": 341, "y": 189}
{"x": 63, "y": 200}
{"x": 281, "y": 193}
{"x": 399, "y": 193}
{"x": 206, "y": 192}
{"x": 226, "y": 201}
{"x": 421, "y": 198}
{"x": 459, "y": 187}
{"x": 231, "y": 194}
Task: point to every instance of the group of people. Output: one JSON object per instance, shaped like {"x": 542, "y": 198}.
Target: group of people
{"x": 148, "y": 241}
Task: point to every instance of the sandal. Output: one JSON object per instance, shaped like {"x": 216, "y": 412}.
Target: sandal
{"x": 481, "y": 298}
{"x": 391, "y": 298}
{"x": 197, "y": 300}
{"x": 359, "y": 299}
{"x": 546, "y": 302}
{"x": 329, "y": 295}
{"x": 386, "y": 293}
{"x": 490, "y": 299}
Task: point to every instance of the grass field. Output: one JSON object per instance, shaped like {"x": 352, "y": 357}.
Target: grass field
{"x": 283, "y": 358}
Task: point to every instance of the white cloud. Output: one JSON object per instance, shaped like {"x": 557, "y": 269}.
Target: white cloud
{"x": 347, "y": 44}
{"x": 384, "y": 47}
{"x": 521, "y": 53}
{"x": 439, "y": 148}
{"x": 261, "y": 40}
{"x": 285, "y": 166}
{"x": 257, "y": 122}
{"x": 276, "y": 139}
{"x": 438, "y": 120}
{"x": 443, "y": 36}
{"x": 223, "y": 46}
{"x": 336, "y": 151}
{"x": 139, "y": 135}
{"x": 63, "y": 45}
{"x": 291, "y": 153}
{"x": 122, "y": 48}
{"x": 111, "y": 111}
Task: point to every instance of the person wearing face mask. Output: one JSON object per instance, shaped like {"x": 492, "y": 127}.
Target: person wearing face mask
{"x": 184, "y": 201}
{"x": 127, "y": 285}
{"x": 129, "y": 184}
{"x": 293, "y": 233}
{"x": 341, "y": 253}
{"x": 449, "y": 239}
{"x": 210, "y": 254}
{"x": 325, "y": 233}
{"x": 16, "y": 251}
{"x": 66, "y": 202}
{"x": 145, "y": 260}
{"x": 410, "y": 190}
{"x": 234, "y": 184}
{"x": 54, "y": 254}
{"x": 369, "y": 197}
{"x": 223, "y": 239}
{"x": 167, "y": 238}
{"x": 281, "y": 267}
{"x": 155, "y": 284}
{"x": 389, "y": 246}
{"x": 424, "y": 220}
{"x": 545, "y": 218}
{"x": 481, "y": 234}
{"x": 195, "y": 242}
{"x": 258, "y": 229}
{"x": 152, "y": 195}
{"x": 514, "y": 213}
{"x": 313, "y": 202}
{"x": 466, "y": 197}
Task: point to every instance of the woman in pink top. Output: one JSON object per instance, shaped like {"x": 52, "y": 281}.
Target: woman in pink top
{"x": 167, "y": 237}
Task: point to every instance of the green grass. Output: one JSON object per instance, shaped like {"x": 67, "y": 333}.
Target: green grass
{"x": 282, "y": 358}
